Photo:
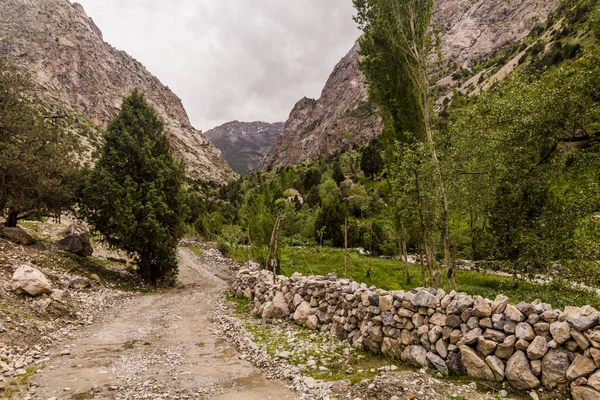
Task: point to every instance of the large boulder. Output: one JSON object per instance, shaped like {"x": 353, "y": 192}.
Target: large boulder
{"x": 276, "y": 309}
{"x": 518, "y": 372}
{"x": 554, "y": 367}
{"x": 78, "y": 244}
{"x": 32, "y": 281}
{"x": 416, "y": 356}
{"x": 581, "y": 366}
{"x": 17, "y": 235}
{"x": 425, "y": 299}
{"x": 584, "y": 393}
{"x": 475, "y": 365}
{"x": 302, "y": 313}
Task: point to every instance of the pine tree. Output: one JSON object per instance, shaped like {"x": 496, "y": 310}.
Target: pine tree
{"x": 135, "y": 195}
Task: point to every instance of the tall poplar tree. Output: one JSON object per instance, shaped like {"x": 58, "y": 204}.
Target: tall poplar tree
{"x": 396, "y": 47}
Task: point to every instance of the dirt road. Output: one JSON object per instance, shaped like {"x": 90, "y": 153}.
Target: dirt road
{"x": 157, "y": 346}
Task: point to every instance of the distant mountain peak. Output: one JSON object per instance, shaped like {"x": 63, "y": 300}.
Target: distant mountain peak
{"x": 244, "y": 144}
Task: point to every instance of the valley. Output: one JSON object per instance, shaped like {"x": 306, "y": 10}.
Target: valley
{"x": 426, "y": 228}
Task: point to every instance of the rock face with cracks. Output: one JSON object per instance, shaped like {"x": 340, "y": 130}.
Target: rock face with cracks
{"x": 528, "y": 345}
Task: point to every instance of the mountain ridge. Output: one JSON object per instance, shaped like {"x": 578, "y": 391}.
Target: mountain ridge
{"x": 244, "y": 144}
{"x": 74, "y": 69}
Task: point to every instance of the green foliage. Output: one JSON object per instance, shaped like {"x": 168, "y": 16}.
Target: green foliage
{"x": 371, "y": 161}
{"x": 134, "y": 196}
{"x": 39, "y": 170}
{"x": 331, "y": 220}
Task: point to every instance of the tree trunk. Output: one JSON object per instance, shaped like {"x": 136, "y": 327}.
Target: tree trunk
{"x": 424, "y": 229}
{"x": 423, "y": 277}
{"x": 438, "y": 173}
{"x": 405, "y": 254}
{"x": 346, "y": 248}
{"x": 12, "y": 218}
{"x": 276, "y": 263}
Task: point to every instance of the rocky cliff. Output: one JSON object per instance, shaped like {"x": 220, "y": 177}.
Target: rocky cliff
{"x": 244, "y": 144}
{"x": 61, "y": 48}
{"x": 472, "y": 30}
{"x": 341, "y": 117}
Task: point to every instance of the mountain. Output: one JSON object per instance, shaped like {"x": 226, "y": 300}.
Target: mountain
{"x": 73, "y": 69}
{"x": 244, "y": 144}
{"x": 472, "y": 31}
{"x": 342, "y": 116}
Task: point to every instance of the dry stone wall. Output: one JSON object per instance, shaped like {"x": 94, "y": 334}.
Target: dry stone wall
{"x": 528, "y": 345}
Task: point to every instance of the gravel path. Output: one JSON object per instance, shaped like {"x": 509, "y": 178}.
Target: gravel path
{"x": 157, "y": 346}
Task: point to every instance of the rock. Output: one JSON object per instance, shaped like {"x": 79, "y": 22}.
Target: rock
{"x": 497, "y": 367}
{"x": 376, "y": 333}
{"x": 581, "y": 366}
{"x": 499, "y": 305}
{"x": 560, "y": 331}
{"x": 438, "y": 319}
{"x": 594, "y": 380}
{"x": 442, "y": 348}
{"x": 425, "y": 299}
{"x": 538, "y": 348}
{"x": 415, "y": 355}
{"x": 481, "y": 308}
{"x": 57, "y": 295}
{"x": 506, "y": 348}
{"x": 32, "y": 281}
{"x": 276, "y": 309}
{"x": 513, "y": 314}
{"x": 438, "y": 363}
{"x": 77, "y": 244}
{"x": 581, "y": 340}
{"x": 475, "y": 365}
{"x": 302, "y": 313}
{"x": 494, "y": 335}
{"x": 455, "y": 364}
{"x": 554, "y": 367}
{"x": 524, "y": 331}
{"x": 391, "y": 348}
{"x": 584, "y": 393}
{"x": 518, "y": 372}
{"x": 485, "y": 347}
{"x": 386, "y": 303}
{"x": 522, "y": 345}
{"x": 472, "y": 336}
{"x": 312, "y": 322}
{"x": 79, "y": 282}
{"x": 582, "y": 323}
{"x": 536, "y": 367}
{"x": 17, "y": 235}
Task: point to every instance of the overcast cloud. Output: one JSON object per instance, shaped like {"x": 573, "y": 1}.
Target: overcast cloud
{"x": 232, "y": 59}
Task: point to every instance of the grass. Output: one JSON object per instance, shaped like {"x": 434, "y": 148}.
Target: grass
{"x": 196, "y": 250}
{"x": 389, "y": 274}
{"x": 15, "y": 385}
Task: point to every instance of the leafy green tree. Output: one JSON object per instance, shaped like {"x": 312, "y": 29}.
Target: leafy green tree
{"x": 331, "y": 220}
{"x": 371, "y": 161}
{"x": 135, "y": 194}
{"x": 39, "y": 171}
{"x": 396, "y": 48}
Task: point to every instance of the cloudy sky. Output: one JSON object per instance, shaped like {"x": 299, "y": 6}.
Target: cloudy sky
{"x": 232, "y": 59}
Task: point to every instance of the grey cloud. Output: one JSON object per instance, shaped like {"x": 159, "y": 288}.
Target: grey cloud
{"x": 232, "y": 59}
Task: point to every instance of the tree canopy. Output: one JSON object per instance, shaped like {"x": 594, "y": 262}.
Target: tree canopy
{"x": 135, "y": 194}
{"x": 39, "y": 170}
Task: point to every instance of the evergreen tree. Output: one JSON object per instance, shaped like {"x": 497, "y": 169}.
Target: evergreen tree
{"x": 39, "y": 172}
{"x": 338, "y": 174}
{"x": 371, "y": 162}
{"x": 135, "y": 195}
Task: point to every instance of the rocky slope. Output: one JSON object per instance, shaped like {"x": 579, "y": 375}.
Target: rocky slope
{"x": 244, "y": 144}
{"x": 341, "y": 117}
{"x": 472, "y": 30}
{"x": 75, "y": 70}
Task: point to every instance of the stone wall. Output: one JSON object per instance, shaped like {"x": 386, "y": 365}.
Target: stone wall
{"x": 528, "y": 345}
